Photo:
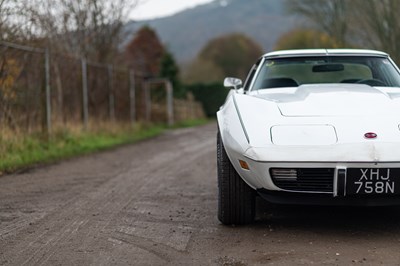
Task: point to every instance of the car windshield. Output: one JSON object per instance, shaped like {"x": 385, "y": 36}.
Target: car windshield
{"x": 293, "y": 72}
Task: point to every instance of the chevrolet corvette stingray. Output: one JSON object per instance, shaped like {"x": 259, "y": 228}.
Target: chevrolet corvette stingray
{"x": 316, "y": 127}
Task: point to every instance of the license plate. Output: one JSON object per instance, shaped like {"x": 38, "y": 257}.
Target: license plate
{"x": 373, "y": 181}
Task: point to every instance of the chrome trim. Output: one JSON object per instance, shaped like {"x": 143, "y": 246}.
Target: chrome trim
{"x": 256, "y": 75}
{"x": 323, "y": 54}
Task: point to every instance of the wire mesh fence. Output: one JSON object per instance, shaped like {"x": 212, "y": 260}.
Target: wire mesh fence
{"x": 41, "y": 90}
{"x": 22, "y": 88}
{"x": 66, "y": 84}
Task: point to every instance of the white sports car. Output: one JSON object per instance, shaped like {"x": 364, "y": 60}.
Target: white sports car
{"x": 314, "y": 127}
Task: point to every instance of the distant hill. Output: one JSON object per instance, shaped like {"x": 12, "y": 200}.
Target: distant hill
{"x": 186, "y": 33}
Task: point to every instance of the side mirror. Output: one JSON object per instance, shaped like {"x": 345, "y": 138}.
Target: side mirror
{"x": 233, "y": 82}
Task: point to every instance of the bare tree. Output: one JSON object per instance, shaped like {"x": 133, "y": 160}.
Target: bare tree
{"x": 329, "y": 16}
{"x": 378, "y": 24}
{"x": 88, "y": 28}
{"x": 11, "y": 18}
{"x": 362, "y": 23}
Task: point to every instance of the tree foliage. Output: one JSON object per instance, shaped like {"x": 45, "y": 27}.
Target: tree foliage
{"x": 170, "y": 70}
{"x": 330, "y": 16}
{"x": 147, "y": 55}
{"x": 233, "y": 54}
{"x": 202, "y": 71}
{"x": 304, "y": 39}
{"x": 363, "y": 23}
{"x": 378, "y": 24}
{"x": 211, "y": 96}
{"x": 230, "y": 55}
{"x": 145, "y": 52}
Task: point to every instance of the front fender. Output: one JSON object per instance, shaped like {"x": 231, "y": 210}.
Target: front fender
{"x": 234, "y": 137}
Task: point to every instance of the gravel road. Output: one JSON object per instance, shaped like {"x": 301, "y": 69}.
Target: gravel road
{"x": 154, "y": 203}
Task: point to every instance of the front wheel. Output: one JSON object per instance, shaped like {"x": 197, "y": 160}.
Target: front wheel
{"x": 236, "y": 200}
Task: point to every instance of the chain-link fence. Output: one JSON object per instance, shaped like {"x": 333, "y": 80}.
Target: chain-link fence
{"x": 40, "y": 91}
{"x": 22, "y": 88}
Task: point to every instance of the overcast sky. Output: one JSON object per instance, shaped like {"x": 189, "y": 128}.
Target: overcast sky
{"x": 149, "y": 9}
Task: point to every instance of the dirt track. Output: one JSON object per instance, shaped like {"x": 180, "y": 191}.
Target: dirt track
{"x": 154, "y": 203}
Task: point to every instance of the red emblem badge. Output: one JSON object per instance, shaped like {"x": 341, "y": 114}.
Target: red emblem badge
{"x": 370, "y": 135}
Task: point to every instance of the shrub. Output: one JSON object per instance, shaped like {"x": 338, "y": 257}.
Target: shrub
{"x": 211, "y": 96}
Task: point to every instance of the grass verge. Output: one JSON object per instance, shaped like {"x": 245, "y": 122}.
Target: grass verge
{"x": 18, "y": 151}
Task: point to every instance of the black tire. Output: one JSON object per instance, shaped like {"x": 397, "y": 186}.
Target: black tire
{"x": 236, "y": 200}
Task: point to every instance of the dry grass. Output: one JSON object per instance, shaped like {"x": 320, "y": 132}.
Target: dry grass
{"x": 19, "y": 150}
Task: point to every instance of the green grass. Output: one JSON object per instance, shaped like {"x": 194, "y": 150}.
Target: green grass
{"x": 191, "y": 123}
{"x": 19, "y": 151}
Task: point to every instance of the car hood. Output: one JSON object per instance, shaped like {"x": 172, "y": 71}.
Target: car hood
{"x": 319, "y": 115}
{"x": 335, "y": 100}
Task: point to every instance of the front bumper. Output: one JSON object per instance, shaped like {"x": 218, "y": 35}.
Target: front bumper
{"x": 290, "y": 198}
{"x": 259, "y": 174}
{"x": 336, "y": 157}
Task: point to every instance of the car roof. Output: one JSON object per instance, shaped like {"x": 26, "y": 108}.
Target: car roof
{"x": 324, "y": 52}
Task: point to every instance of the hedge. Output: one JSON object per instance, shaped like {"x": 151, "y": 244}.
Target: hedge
{"x": 211, "y": 96}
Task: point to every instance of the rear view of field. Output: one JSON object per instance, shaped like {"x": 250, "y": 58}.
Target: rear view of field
{"x": 154, "y": 203}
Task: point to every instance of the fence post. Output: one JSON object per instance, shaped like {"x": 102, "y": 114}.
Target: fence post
{"x": 85, "y": 101}
{"x": 147, "y": 100}
{"x": 170, "y": 103}
{"x": 48, "y": 95}
{"x": 111, "y": 98}
{"x": 132, "y": 96}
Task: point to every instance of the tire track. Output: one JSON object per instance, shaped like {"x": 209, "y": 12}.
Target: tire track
{"x": 88, "y": 216}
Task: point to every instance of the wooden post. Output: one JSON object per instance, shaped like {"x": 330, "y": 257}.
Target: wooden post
{"x": 147, "y": 100}
{"x": 48, "y": 92}
{"x": 85, "y": 101}
{"x": 111, "y": 97}
{"x": 170, "y": 103}
{"x": 132, "y": 96}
